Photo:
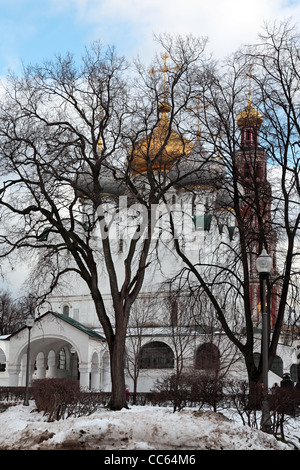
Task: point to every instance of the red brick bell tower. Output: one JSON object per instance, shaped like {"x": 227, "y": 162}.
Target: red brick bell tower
{"x": 251, "y": 168}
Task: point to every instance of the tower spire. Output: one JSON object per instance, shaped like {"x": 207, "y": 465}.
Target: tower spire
{"x": 164, "y": 70}
{"x": 249, "y": 120}
{"x": 249, "y": 75}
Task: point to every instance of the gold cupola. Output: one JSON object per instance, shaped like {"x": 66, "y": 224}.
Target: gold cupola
{"x": 161, "y": 148}
{"x": 249, "y": 117}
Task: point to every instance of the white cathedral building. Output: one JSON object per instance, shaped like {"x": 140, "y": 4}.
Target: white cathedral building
{"x": 66, "y": 340}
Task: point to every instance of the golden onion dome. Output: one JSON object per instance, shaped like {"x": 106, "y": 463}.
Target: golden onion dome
{"x": 161, "y": 148}
{"x": 249, "y": 117}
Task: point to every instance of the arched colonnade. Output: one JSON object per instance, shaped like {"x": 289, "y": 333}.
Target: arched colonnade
{"x": 58, "y": 349}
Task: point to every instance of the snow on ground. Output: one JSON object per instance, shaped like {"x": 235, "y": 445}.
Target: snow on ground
{"x": 139, "y": 428}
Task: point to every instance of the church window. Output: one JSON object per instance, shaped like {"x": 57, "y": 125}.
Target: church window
{"x": 157, "y": 355}
{"x": 207, "y": 357}
{"x": 202, "y": 221}
{"x": 62, "y": 359}
{"x": 66, "y": 310}
{"x": 277, "y": 366}
{"x": 247, "y": 170}
{"x": 231, "y": 232}
{"x": 194, "y": 206}
{"x": 2, "y": 361}
{"x": 256, "y": 358}
{"x": 174, "y": 312}
{"x": 294, "y": 372}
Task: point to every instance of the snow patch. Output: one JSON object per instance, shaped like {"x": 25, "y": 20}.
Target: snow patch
{"x": 139, "y": 428}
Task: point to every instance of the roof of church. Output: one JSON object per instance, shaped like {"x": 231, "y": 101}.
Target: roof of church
{"x": 71, "y": 321}
{"x": 161, "y": 148}
{"x": 249, "y": 117}
{"x": 78, "y": 325}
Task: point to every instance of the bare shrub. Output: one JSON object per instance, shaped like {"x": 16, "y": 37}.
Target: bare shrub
{"x": 62, "y": 398}
{"x": 284, "y": 405}
{"x": 191, "y": 389}
{"x": 246, "y": 405}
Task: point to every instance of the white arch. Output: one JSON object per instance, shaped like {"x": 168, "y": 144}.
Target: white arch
{"x": 2, "y": 360}
{"x": 95, "y": 372}
{"x": 105, "y": 372}
{"x": 48, "y": 336}
{"x": 40, "y": 366}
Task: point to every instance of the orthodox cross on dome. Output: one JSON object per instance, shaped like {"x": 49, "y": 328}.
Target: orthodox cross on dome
{"x": 249, "y": 117}
{"x": 198, "y": 109}
{"x": 249, "y": 75}
{"x": 164, "y": 70}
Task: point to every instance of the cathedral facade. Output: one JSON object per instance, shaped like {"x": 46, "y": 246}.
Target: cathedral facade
{"x": 166, "y": 325}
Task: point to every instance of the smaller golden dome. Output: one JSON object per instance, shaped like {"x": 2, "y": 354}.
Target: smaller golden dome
{"x": 162, "y": 147}
{"x": 250, "y": 117}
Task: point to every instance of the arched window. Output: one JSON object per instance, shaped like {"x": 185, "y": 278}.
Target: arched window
{"x": 62, "y": 363}
{"x": 294, "y": 372}
{"x": 207, "y": 357}
{"x": 66, "y": 310}
{"x": 2, "y": 361}
{"x": 277, "y": 366}
{"x": 157, "y": 355}
{"x": 256, "y": 358}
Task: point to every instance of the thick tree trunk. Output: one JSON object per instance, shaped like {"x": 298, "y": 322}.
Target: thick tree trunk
{"x": 118, "y": 392}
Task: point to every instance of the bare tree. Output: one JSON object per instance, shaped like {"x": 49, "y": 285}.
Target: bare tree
{"x": 71, "y": 135}
{"x": 182, "y": 331}
{"x": 141, "y": 318}
{"x": 276, "y": 68}
{"x": 13, "y": 312}
{"x": 266, "y": 210}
